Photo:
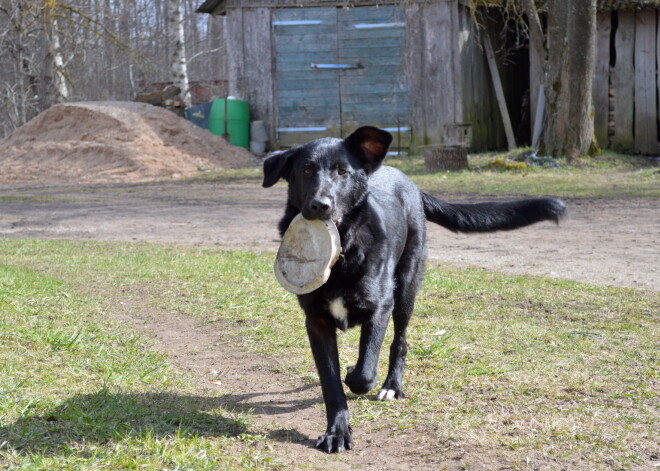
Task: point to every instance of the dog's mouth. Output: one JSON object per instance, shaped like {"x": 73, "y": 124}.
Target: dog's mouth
{"x": 331, "y": 216}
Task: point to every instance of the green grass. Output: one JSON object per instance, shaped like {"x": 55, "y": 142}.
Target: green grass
{"x": 609, "y": 175}
{"x": 80, "y": 391}
{"x": 518, "y": 368}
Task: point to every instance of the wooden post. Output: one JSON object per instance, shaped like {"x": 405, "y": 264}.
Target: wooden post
{"x": 535, "y": 77}
{"x": 623, "y": 83}
{"x": 600, "y": 82}
{"x": 499, "y": 93}
{"x": 646, "y": 137}
{"x": 538, "y": 119}
{"x": 259, "y": 70}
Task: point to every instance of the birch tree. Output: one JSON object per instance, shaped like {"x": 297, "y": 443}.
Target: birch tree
{"x": 54, "y": 55}
{"x": 177, "y": 38}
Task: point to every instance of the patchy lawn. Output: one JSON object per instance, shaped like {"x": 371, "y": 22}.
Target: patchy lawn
{"x": 504, "y": 371}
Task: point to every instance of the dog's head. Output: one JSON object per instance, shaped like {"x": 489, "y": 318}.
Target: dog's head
{"x": 327, "y": 177}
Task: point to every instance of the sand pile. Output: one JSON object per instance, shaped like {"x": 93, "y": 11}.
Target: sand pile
{"x": 112, "y": 142}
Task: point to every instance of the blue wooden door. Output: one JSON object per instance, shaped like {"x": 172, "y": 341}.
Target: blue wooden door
{"x": 338, "y": 69}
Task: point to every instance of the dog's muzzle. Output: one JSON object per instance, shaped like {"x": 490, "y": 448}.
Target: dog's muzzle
{"x": 318, "y": 208}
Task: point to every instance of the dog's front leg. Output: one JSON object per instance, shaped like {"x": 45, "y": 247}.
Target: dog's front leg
{"x": 323, "y": 341}
{"x": 362, "y": 377}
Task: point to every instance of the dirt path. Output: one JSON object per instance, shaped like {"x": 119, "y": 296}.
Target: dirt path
{"x": 607, "y": 242}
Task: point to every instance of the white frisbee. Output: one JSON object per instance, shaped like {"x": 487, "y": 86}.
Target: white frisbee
{"x": 306, "y": 255}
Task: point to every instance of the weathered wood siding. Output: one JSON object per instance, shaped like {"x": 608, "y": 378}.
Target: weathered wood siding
{"x": 377, "y": 92}
{"x": 600, "y": 84}
{"x": 479, "y": 106}
{"x": 251, "y": 63}
{"x": 634, "y": 82}
{"x": 646, "y": 84}
{"x": 435, "y": 98}
{"x": 307, "y": 99}
{"x": 422, "y": 71}
{"x": 623, "y": 84}
{"x": 338, "y": 69}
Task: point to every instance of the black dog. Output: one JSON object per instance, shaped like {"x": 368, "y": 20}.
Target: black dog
{"x": 381, "y": 217}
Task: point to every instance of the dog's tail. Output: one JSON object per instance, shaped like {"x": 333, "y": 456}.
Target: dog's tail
{"x": 490, "y": 217}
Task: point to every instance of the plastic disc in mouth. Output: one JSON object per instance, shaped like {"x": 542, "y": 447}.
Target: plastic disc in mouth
{"x": 306, "y": 255}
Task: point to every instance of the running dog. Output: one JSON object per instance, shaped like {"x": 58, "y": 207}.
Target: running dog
{"x": 381, "y": 216}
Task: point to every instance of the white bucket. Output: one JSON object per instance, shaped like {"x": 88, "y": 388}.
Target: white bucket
{"x": 257, "y": 147}
{"x": 258, "y": 131}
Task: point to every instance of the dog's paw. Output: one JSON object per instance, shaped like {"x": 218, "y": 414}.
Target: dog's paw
{"x": 336, "y": 440}
{"x": 389, "y": 394}
{"x": 358, "y": 382}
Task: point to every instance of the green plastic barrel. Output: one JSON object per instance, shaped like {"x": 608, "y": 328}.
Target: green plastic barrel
{"x": 238, "y": 121}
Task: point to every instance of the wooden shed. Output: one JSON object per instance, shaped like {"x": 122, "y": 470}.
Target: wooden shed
{"x": 323, "y": 68}
{"x": 312, "y": 68}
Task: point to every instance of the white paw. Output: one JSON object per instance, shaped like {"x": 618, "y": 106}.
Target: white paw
{"x": 386, "y": 394}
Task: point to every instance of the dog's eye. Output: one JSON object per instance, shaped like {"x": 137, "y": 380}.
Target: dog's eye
{"x": 307, "y": 171}
{"x": 340, "y": 170}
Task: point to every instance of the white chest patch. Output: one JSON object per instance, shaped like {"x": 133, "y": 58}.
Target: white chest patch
{"x": 337, "y": 309}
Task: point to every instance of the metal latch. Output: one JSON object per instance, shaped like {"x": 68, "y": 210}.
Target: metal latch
{"x": 337, "y": 66}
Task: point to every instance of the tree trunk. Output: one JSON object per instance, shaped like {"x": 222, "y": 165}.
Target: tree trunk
{"x": 177, "y": 38}
{"x": 59, "y": 72}
{"x": 570, "y": 55}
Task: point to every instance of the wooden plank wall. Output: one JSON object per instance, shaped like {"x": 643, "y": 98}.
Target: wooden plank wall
{"x": 480, "y": 108}
{"x": 377, "y": 93}
{"x": 634, "y": 81}
{"x": 623, "y": 83}
{"x": 600, "y": 84}
{"x": 432, "y": 39}
{"x": 250, "y": 61}
{"x": 413, "y": 66}
{"x": 646, "y": 85}
{"x": 306, "y": 97}
{"x": 259, "y": 66}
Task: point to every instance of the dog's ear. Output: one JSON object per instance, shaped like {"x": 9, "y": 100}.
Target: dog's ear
{"x": 277, "y": 166}
{"x": 370, "y": 144}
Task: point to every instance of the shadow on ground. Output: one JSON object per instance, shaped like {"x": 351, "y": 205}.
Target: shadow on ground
{"x": 107, "y": 416}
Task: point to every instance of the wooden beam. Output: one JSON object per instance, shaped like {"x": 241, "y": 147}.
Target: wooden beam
{"x": 535, "y": 75}
{"x": 235, "y": 53}
{"x": 646, "y": 133}
{"x": 499, "y": 93}
{"x": 457, "y": 73}
{"x": 600, "y": 84}
{"x": 259, "y": 68}
{"x": 437, "y": 72}
{"x": 414, "y": 63}
{"x": 538, "y": 118}
{"x": 623, "y": 83}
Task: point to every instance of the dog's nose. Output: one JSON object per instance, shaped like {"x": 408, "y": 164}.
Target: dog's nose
{"x": 319, "y": 208}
